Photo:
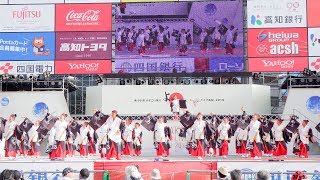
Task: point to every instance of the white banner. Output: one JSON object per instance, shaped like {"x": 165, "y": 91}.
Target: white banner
{"x": 26, "y": 67}
{"x": 275, "y": 13}
{"x": 314, "y": 41}
{"x": 27, "y": 18}
{"x": 250, "y": 168}
{"x": 35, "y": 1}
{"x": 218, "y": 99}
{"x": 314, "y": 64}
{"x": 161, "y": 65}
{"x": 32, "y": 104}
{"x": 46, "y": 169}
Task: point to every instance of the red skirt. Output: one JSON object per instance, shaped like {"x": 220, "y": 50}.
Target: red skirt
{"x": 130, "y": 47}
{"x": 224, "y": 149}
{"x": 92, "y": 147}
{"x": 256, "y": 151}
{"x": 114, "y": 151}
{"x": 199, "y": 151}
{"x": 161, "y": 151}
{"x": 127, "y": 149}
{"x": 242, "y": 149}
{"x": 10, "y": 149}
{"x": 281, "y": 149}
{"x": 303, "y": 150}
{"x": 60, "y": 152}
{"x": 83, "y": 150}
{"x": 161, "y": 46}
{"x": 35, "y": 149}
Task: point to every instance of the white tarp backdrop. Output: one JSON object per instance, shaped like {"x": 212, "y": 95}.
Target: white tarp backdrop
{"x": 32, "y": 104}
{"x": 143, "y": 99}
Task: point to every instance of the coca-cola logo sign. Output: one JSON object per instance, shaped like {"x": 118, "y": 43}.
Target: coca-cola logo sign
{"x": 88, "y": 16}
{"x": 281, "y": 63}
{"x": 83, "y": 17}
{"x": 84, "y": 66}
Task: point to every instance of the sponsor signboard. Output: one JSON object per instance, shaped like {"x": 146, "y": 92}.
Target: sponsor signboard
{"x": 83, "y": 45}
{"x": 27, "y": 18}
{"x": 314, "y": 41}
{"x": 283, "y": 64}
{"x": 81, "y": 17}
{"x": 26, "y": 67}
{"x": 277, "y": 42}
{"x": 35, "y": 1}
{"x": 162, "y": 65}
{"x": 313, "y": 13}
{"x": 82, "y": 67}
{"x": 314, "y": 64}
{"x": 146, "y": 0}
{"x": 226, "y": 64}
{"x": 27, "y": 46}
{"x": 276, "y": 14}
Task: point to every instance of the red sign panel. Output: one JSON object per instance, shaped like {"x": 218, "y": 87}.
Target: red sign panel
{"x": 294, "y": 64}
{"x": 277, "y": 42}
{"x": 83, "y": 67}
{"x": 83, "y": 17}
{"x": 313, "y": 13}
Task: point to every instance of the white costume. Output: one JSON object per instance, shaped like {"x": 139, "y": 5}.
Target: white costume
{"x": 175, "y": 106}
{"x": 229, "y": 37}
{"x": 241, "y": 134}
{"x": 61, "y": 130}
{"x": 183, "y": 39}
{"x": 161, "y": 37}
{"x": 83, "y": 138}
{"x": 127, "y": 134}
{"x": 52, "y": 134}
{"x": 198, "y": 128}
{"x": 137, "y": 134}
{"x": 303, "y": 133}
{"x": 277, "y": 130}
{"x": 159, "y": 132}
{"x": 216, "y": 34}
{"x": 33, "y": 134}
{"x": 9, "y": 129}
{"x": 203, "y": 36}
{"x": 254, "y": 127}
{"x": 223, "y": 129}
{"x": 113, "y": 127}
{"x": 140, "y": 40}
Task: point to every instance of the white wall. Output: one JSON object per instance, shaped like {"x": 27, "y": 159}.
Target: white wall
{"x": 218, "y": 99}
{"x": 23, "y": 103}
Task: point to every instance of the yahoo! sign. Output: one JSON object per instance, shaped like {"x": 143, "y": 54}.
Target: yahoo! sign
{"x": 294, "y": 64}
{"x": 82, "y": 66}
{"x": 81, "y": 17}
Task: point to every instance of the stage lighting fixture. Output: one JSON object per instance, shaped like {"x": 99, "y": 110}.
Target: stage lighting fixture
{"x": 5, "y": 77}
{"x": 99, "y": 79}
{"x": 157, "y": 82}
{"x": 166, "y": 82}
{"x": 122, "y": 82}
{"x": 46, "y": 75}
{"x": 138, "y": 82}
{"x": 256, "y": 76}
{"x": 128, "y": 81}
{"x": 204, "y": 81}
{"x": 186, "y": 81}
{"x": 20, "y": 77}
{"x": 196, "y": 81}
{"x": 217, "y": 81}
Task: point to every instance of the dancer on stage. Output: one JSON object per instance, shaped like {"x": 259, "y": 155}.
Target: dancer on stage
{"x": 10, "y": 138}
{"x": 83, "y": 140}
{"x": 130, "y": 44}
{"x": 161, "y": 40}
{"x": 254, "y": 139}
{"x": 183, "y": 42}
{"x": 278, "y": 133}
{"x": 34, "y": 140}
{"x": 305, "y": 136}
{"x": 92, "y": 141}
{"x": 113, "y": 124}
{"x": 241, "y": 136}
{"x": 216, "y": 36}
{"x": 137, "y": 139}
{"x": 230, "y": 40}
{"x": 24, "y": 144}
{"x": 127, "y": 137}
{"x": 212, "y": 136}
{"x": 199, "y": 128}
{"x": 267, "y": 142}
{"x": 224, "y": 132}
{"x": 204, "y": 40}
{"x": 70, "y": 144}
{"x": 52, "y": 144}
{"x": 160, "y": 140}
{"x": 60, "y": 137}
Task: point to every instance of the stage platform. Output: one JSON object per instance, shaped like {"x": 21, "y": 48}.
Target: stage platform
{"x": 178, "y": 167}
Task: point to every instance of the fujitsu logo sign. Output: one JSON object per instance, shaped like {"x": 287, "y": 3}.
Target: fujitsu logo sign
{"x": 84, "y": 66}
{"x": 281, "y": 63}
{"x": 88, "y": 16}
{"x": 25, "y": 13}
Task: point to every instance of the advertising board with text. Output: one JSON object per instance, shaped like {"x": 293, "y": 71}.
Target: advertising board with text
{"x": 27, "y": 46}
{"x": 82, "y": 17}
{"x": 83, "y": 45}
{"x": 27, "y": 18}
{"x": 277, "y": 42}
{"x": 314, "y": 41}
{"x": 83, "y": 67}
{"x": 313, "y": 13}
{"x": 276, "y": 13}
{"x": 314, "y": 63}
{"x": 26, "y": 67}
{"x": 226, "y": 64}
{"x": 283, "y": 64}
{"x": 91, "y": 1}
{"x": 35, "y": 1}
